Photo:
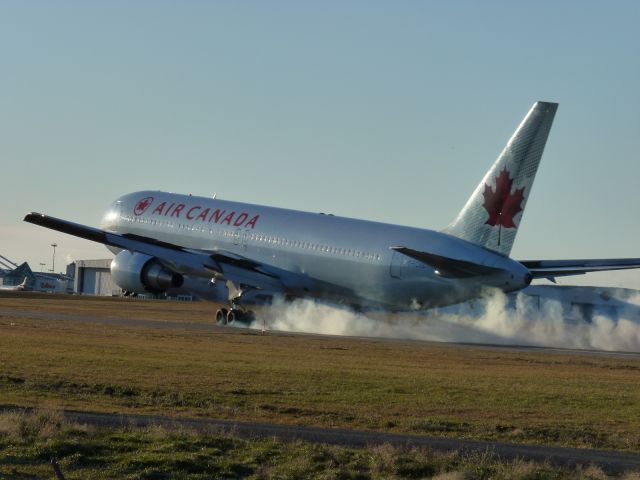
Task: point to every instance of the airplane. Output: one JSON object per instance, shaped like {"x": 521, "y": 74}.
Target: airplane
{"x": 16, "y": 288}
{"x": 243, "y": 253}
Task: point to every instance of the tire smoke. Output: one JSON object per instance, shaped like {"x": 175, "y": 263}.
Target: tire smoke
{"x": 497, "y": 319}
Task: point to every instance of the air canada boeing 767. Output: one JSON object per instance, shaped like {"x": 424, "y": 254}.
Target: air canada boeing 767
{"x": 237, "y": 252}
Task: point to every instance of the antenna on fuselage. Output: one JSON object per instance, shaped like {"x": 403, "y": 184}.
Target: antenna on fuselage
{"x": 215, "y": 195}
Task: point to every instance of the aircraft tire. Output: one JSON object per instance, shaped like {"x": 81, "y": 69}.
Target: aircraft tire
{"x": 242, "y": 317}
{"x": 221, "y": 316}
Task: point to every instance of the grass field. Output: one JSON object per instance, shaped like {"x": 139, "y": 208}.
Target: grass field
{"x": 29, "y": 442}
{"x": 479, "y": 392}
{"x": 564, "y": 399}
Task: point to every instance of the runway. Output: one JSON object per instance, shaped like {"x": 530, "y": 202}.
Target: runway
{"x": 610, "y": 461}
{"x": 212, "y": 327}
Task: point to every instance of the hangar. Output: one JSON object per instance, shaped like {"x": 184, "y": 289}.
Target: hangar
{"x": 93, "y": 277}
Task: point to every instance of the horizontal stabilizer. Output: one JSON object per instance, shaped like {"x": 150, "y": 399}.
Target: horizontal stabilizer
{"x": 559, "y": 268}
{"x": 448, "y": 267}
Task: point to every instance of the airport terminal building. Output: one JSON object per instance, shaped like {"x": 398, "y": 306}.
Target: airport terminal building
{"x": 36, "y": 281}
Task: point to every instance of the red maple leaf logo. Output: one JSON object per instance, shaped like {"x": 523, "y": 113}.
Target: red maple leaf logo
{"x": 502, "y": 205}
{"x": 142, "y": 205}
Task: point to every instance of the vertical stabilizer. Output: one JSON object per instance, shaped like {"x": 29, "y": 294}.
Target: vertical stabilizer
{"x": 493, "y": 213}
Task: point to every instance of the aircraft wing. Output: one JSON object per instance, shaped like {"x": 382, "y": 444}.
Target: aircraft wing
{"x": 203, "y": 263}
{"x": 559, "y": 268}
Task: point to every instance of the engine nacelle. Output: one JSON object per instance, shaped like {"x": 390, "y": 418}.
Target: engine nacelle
{"x": 139, "y": 273}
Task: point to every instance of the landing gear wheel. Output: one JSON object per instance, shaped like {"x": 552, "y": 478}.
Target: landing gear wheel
{"x": 244, "y": 317}
{"x": 221, "y": 316}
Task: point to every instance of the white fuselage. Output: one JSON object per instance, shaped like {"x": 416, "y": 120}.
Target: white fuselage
{"x": 347, "y": 260}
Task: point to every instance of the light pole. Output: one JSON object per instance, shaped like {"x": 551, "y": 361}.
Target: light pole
{"x": 42, "y": 266}
{"x": 53, "y": 263}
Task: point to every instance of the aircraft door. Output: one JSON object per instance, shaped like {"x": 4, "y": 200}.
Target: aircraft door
{"x": 240, "y": 239}
{"x": 397, "y": 261}
{"x": 245, "y": 238}
{"x": 237, "y": 237}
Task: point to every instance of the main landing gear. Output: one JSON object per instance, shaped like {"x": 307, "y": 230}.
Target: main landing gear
{"x": 237, "y": 314}
{"x": 234, "y": 316}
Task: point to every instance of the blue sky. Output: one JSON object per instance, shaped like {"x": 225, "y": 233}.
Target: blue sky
{"x": 389, "y": 111}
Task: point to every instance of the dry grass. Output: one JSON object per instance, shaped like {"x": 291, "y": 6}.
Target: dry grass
{"x": 473, "y": 392}
{"x": 127, "y": 453}
{"x": 198, "y": 312}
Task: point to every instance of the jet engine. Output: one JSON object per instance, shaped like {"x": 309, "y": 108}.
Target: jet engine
{"x": 139, "y": 273}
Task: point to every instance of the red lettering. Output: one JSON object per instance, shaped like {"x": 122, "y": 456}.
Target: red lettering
{"x": 159, "y": 208}
{"x": 191, "y": 210}
{"x": 217, "y": 214}
{"x": 203, "y": 215}
{"x": 252, "y": 222}
{"x": 228, "y": 218}
{"x": 167, "y": 210}
{"x": 240, "y": 220}
{"x": 177, "y": 210}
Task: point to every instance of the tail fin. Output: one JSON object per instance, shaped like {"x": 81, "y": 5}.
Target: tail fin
{"x": 494, "y": 211}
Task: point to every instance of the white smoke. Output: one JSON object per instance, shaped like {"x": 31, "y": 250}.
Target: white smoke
{"x": 494, "y": 320}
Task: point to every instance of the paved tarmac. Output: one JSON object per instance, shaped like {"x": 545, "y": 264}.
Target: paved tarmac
{"x": 611, "y": 461}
